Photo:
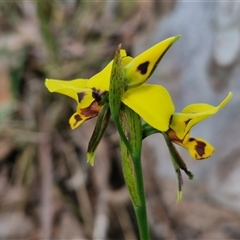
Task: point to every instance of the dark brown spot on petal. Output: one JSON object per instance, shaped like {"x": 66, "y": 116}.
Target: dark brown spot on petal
{"x": 91, "y": 111}
{"x": 78, "y": 118}
{"x": 173, "y": 136}
{"x": 97, "y": 94}
{"x": 143, "y": 67}
{"x": 200, "y": 146}
{"x": 80, "y": 96}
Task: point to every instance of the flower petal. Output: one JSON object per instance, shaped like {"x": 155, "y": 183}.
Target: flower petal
{"x": 192, "y": 114}
{"x": 199, "y": 148}
{"x": 76, "y": 120}
{"x": 142, "y": 66}
{"x": 84, "y": 114}
{"x": 85, "y": 98}
{"x": 152, "y": 102}
{"x": 101, "y": 80}
{"x": 201, "y": 107}
{"x": 69, "y": 88}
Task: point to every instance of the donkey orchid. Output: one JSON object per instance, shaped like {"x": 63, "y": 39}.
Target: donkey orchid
{"x": 152, "y": 102}
{"x": 181, "y": 124}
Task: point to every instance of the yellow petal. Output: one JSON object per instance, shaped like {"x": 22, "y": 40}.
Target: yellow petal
{"x": 85, "y": 99}
{"x": 123, "y": 52}
{"x": 69, "y": 88}
{"x": 76, "y": 120}
{"x": 152, "y": 102}
{"x": 126, "y": 60}
{"x": 199, "y": 148}
{"x": 142, "y": 66}
{"x": 101, "y": 80}
{"x": 83, "y": 114}
{"x": 200, "y": 107}
{"x": 191, "y": 115}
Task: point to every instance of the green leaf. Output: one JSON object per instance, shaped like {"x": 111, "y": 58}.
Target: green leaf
{"x": 131, "y": 124}
{"x": 148, "y": 130}
{"x": 177, "y": 161}
{"x": 100, "y": 127}
{"x": 129, "y": 174}
{"x": 176, "y": 157}
{"x": 116, "y": 90}
{"x": 178, "y": 165}
{"x": 117, "y": 84}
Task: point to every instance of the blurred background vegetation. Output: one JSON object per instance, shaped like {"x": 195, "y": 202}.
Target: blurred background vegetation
{"x": 47, "y": 189}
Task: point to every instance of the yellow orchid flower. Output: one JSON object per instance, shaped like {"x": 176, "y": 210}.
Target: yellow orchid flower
{"x": 181, "y": 124}
{"x": 138, "y": 96}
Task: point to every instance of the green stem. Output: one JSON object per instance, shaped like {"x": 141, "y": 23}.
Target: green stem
{"x": 132, "y": 124}
{"x": 132, "y": 145}
{"x": 148, "y": 130}
{"x": 122, "y": 135}
{"x": 140, "y": 211}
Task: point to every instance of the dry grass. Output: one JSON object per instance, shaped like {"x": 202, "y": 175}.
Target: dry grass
{"x": 46, "y": 185}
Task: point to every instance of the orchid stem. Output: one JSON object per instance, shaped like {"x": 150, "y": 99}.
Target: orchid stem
{"x": 133, "y": 126}
{"x": 140, "y": 211}
{"x": 122, "y": 135}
